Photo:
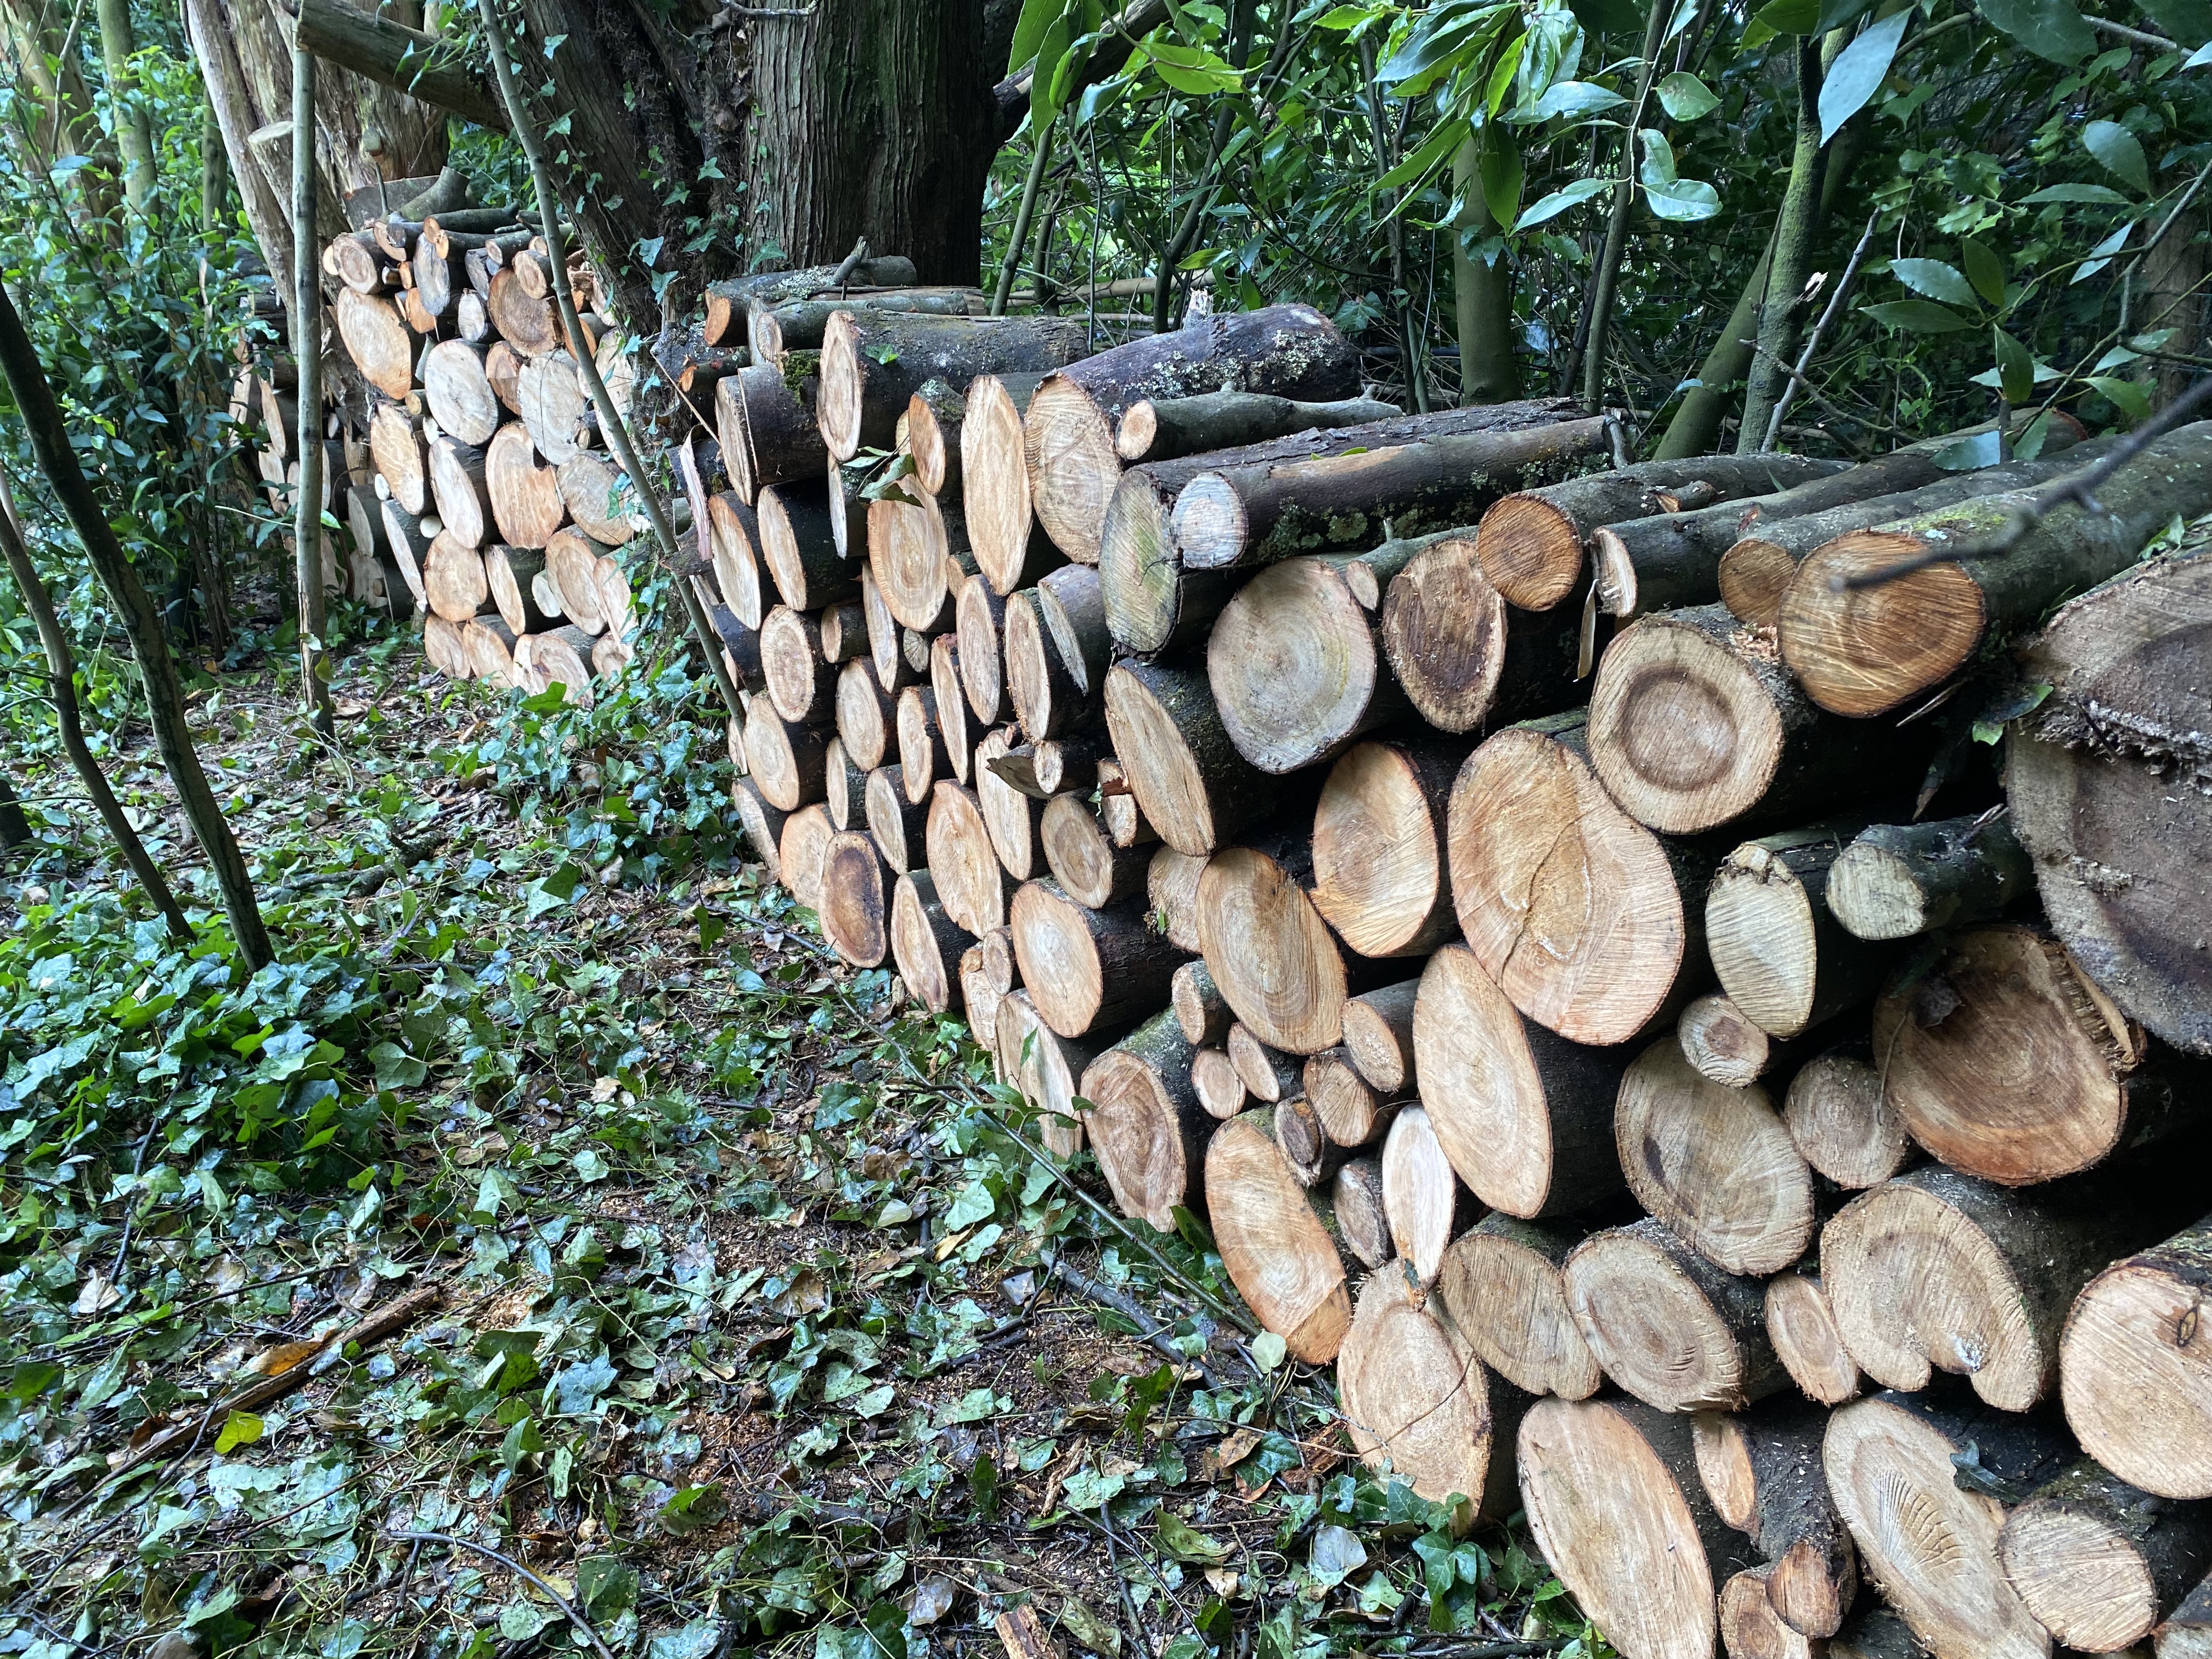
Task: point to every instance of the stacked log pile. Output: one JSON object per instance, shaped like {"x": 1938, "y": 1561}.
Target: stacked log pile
{"x": 1379, "y": 835}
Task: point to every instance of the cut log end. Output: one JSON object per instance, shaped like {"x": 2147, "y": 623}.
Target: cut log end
{"x": 1417, "y": 1403}
{"x": 1531, "y": 551}
{"x": 1801, "y": 1326}
{"x": 1277, "y": 1254}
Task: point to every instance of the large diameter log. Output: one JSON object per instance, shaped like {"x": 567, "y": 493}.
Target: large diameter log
{"x": 788, "y": 762}
{"x": 454, "y": 579}
{"x": 799, "y": 549}
{"x": 525, "y": 320}
{"x": 803, "y": 687}
{"x": 1896, "y": 881}
{"x": 908, "y": 551}
{"x": 378, "y": 343}
{"x": 1714, "y": 1163}
{"x": 1577, "y": 911}
{"x": 855, "y": 917}
{"x": 1938, "y": 1271}
{"x": 2108, "y": 786}
{"x": 971, "y": 883}
{"x": 1087, "y": 969}
{"x": 1669, "y": 1326}
{"x": 459, "y": 395}
{"x": 1278, "y": 1253}
{"x": 1169, "y": 429}
{"x": 1525, "y": 1115}
{"x": 1271, "y": 953}
{"x": 1257, "y": 513}
{"x": 2135, "y": 1366}
{"x": 1378, "y": 1035}
{"x": 926, "y": 944}
{"x": 1068, "y": 433}
{"x": 1693, "y": 724}
{"x": 598, "y": 497}
{"x": 526, "y": 497}
{"x": 1088, "y": 866}
{"x": 2007, "y": 1062}
{"x": 1380, "y": 876}
{"x": 1533, "y": 542}
{"x": 1612, "y": 1492}
{"x": 1837, "y": 1114}
{"x": 459, "y": 493}
{"x": 1192, "y": 785}
{"x": 1145, "y": 1124}
{"x": 2099, "y": 1562}
{"x": 1781, "y": 956}
{"x": 1925, "y": 1530}
{"x": 1009, "y": 549}
{"x": 768, "y": 430}
{"x": 1868, "y": 650}
{"x": 1420, "y": 1406}
{"x": 763, "y": 823}
{"x": 1500, "y": 1284}
{"x": 1801, "y": 1323}
{"x": 397, "y": 450}
{"x": 1762, "y": 1470}
{"x": 1423, "y": 1199}
{"x": 1464, "y": 659}
{"x": 873, "y": 362}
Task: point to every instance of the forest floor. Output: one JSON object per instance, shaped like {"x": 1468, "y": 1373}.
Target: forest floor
{"x": 736, "y": 1310}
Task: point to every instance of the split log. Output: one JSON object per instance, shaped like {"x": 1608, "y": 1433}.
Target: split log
{"x": 847, "y": 799}
{"x": 1420, "y": 1406}
{"x": 1010, "y": 549}
{"x": 1045, "y": 1069}
{"x": 801, "y": 685}
{"x": 1669, "y": 1327}
{"x": 1189, "y": 781}
{"x": 598, "y": 497}
{"x": 1781, "y": 956}
{"x": 1349, "y": 1109}
{"x": 922, "y": 758}
{"x": 1801, "y": 1325}
{"x": 1239, "y": 517}
{"x": 873, "y": 362}
{"x": 1047, "y": 698}
{"x": 510, "y": 574}
{"x": 1380, "y": 877}
{"x": 1722, "y": 1044}
{"x": 2135, "y": 1368}
{"x": 1356, "y": 1197}
{"x": 734, "y": 539}
{"x": 978, "y": 613}
{"x": 454, "y": 579}
{"x": 1172, "y": 895}
{"x": 572, "y": 564}
{"x": 900, "y": 827}
{"x": 1464, "y": 659}
{"x": 730, "y": 302}
{"x": 1214, "y": 1079}
{"x": 1168, "y": 428}
{"x": 1088, "y": 969}
{"x": 1612, "y": 1498}
{"x": 971, "y": 883}
{"x": 378, "y": 343}
{"x": 855, "y": 918}
{"x": 763, "y": 825}
{"x": 526, "y": 497}
{"x": 1913, "y": 1476}
{"x": 1715, "y": 1163}
{"x": 1088, "y": 866}
{"x": 459, "y": 493}
{"x": 772, "y": 331}
{"x": 1837, "y": 1114}
{"x": 788, "y": 762}
{"x": 926, "y": 944}
{"x": 866, "y": 716}
{"x": 2008, "y": 1062}
{"x": 503, "y": 369}
{"x": 1426, "y": 1206}
{"x": 1533, "y": 542}
{"x": 1269, "y": 1075}
{"x": 1378, "y": 1035}
{"x": 409, "y": 547}
{"x": 1500, "y": 1284}
{"x": 525, "y": 320}
{"x": 2110, "y": 783}
{"x": 1201, "y": 1011}
{"x": 1938, "y": 1271}
{"x": 1272, "y": 955}
{"x": 1896, "y": 881}
{"x": 767, "y": 427}
{"x": 1693, "y": 724}
{"x": 950, "y": 706}
{"x": 1762, "y": 1471}
{"x": 1278, "y": 1252}
{"x": 457, "y": 392}
{"x": 1012, "y": 818}
{"x": 1145, "y": 1126}
{"x": 1582, "y": 916}
{"x": 1525, "y": 1115}
{"x": 1068, "y": 434}
{"x": 402, "y": 460}
{"x": 2099, "y": 1562}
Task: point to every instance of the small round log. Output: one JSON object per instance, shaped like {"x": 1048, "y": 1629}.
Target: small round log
{"x": 807, "y": 837}
{"x": 1380, "y": 876}
{"x": 1500, "y": 1283}
{"x": 1087, "y": 969}
{"x": 803, "y": 687}
{"x": 1278, "y": 1253}
{"x": 458, "y": 394}
{"x": 1088, "y": 866}
{"x": 2099, "y": 1562}
{"x": 1424, "y": 1199}
{"x": 1801, "y": 1326}
{"x": 926, "y": 944}
{"x": 1896, "y": 881}
{"x": 971, "y": 883}
{"x": 526, "y": 497}
{"x": 1669, "y": 1326}
{"x": 899, "y": 826}
{"x": 855, "y": 918}
{"x": 2136, "y": 1369}
{"x": 1837, "y": 1114}
{"x": 1378, "y": 1036}
{"x": 1145, "y": 1125}
{"x": 921, "y": 752}
{"x": 866, "y": 716}
{"x": 788, "y": 762}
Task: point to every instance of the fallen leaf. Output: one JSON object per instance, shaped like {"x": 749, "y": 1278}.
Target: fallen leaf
{"x": 933, "y": 1600}
{"x": 1080, "y": 1621}
{"x": 98, "y": 1296}
{"x": 284, "y": 1356}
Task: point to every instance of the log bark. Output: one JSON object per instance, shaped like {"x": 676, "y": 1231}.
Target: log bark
{"x": 1866, "y": 651}
{"x": 1170, "y": 427}
{"x": 1533, "y": 542}
{"x": 1526, "y": 1116}
{"x": 1351, "y": 1110}
{"x": 1762, "y": 1471}
{"x": 1501, "y": 1286}
{"x": 921, "y": 752}
{"x": 1693, "y": 724}
{"x": 763, "y": 825}
{"x": 855, "y": 917}
{"x": 771, "y": 331}
{"x": 799, "y": 549}
{"x": 900, "y": 827}
{"x": 2111, "y": 789}
{"x": 1269, "y": 1075}
{"x": 1669, "y": 1326}
{"x": 1171, "y": 894}
{"x": 1939, "y": 1271}
{"x": 1912, "y": 1478}
{"x": 1612, "y": 1498}
{"x": 788, "y": 762}
{"x": 2188, "y": 1633}
{"x": 457, "y": 392}
{"x": 1837, "y": 1114}
{"x": 1896, "y": 881}
{"x": 1190, "y": 783}
{"x": 1801, "y": 1325}
{"x": 844, "y": 632}
{"x": 526, "y": 497}
{"x": 1781, "y": 956}
{"x": 872, "y": 362}
{"x": 978, "y": 613}
{"x": 1582, "y": 916}
{"x": 1011, "y": 816}
{"x": 801, "y": 685}
{"x": 1426, "y": 1206}
{"x": 1355, "y": 1198}
{"x": 2007, "y": 1062}
{"x": 729, "y": 304}
{"x": 1145, "y": 1126}
{"x": 1214, "y": 1079}
{"x": 1045, "y": 1069}
{"x": 1278, "y": 1252}
{"x": 2099, "y": 1562}
{"x": 926, "y": 944}
{"x": 1069, "y": 432}
{"x": 1088, "y": 866}
{"x": 1272, "y": 955}
{"x": 1464, "y": 659}
{"x": 1010, "y": 549}
{"x": 1088, "y": 969}
{"x": 2136, "y": 1369}
{"x": 1153, "y": 605}
{"x": 1380, "y": 875}
{"x": 971, "y": 883}
{"x": 764, "y": 416}
{"x": 383, "y": 49}
{"x": 806, "y": 841}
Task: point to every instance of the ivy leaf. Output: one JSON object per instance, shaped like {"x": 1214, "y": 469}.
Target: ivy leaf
{"x": 1685, "y": 97}
{"x": 2015, "y": 369}
{"x": 2120, "y": 151}
{"x": 1859, "y": 70}
{"x": 239, "y": 1429}
{"x": 395, "y": 1068}
{"x": 1919, "y": 316}
{"x": 2049, "y": 28}
{"x": 1934, "y": 279}
{"x": 1683, "y": 200}
{"x": 1985, "y": 270}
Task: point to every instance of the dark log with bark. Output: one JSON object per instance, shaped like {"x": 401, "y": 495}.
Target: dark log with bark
{"x": 510, "y": 573}
{"x": 1269, "y": 1075}
{"x": 855, "y": 917}
{"x": 1280, "y": 1254}
{"x": 971, "y": 883}
{"x": 1762, "y": 1471}
{"x": 1145, "y": 1126}
{"x": 1088, "y": 969}
{"x": 1533, "y": 542}
{"x": 1010, "y": 549}
{"x": 1501, "y": 1284}
{"x": 1713, "y": 1163}
{"x": 2188, "y": 1633}
{"x": 1190, "y": 782}
{"x": 386, "y": 51}
{"x": 2099, "y": 1562}
{"x": 729, "y": 304}
{"x": 2110, "y": 783}
{"x": 1464, "y": 659}
{"x": 900, "y": 827}
{"x": 458, "y": 393}
{"x": 873, "y": 362}
{"x": 1939, "y": 1271}
{"x": 763, "y": 825}
{"x": 409, "y": 547}
{"x": 1356, "y": 1200}
{"x": 788, "y": 762}
{"x": 1172, "y": 895}
{"x": 1781, "y": 956}
{"x": 1169, "y": 429}
{"x": 1069, "y": 432}
{"x": 526, "y": 497}
{"x": 1379, "y": 876}
{"x": 1896, "y": 881}
{"x": 1525, "y": 1115}
{"x": 773, "y": 331}
{"x": 1612, "y": 1492}
{"x": 978, "y": 614}
{"x": 1868, "y": 650}
{"x": 2136, "y": 1369}
{"x": 1693, "y": 724}
{"x": 844, "y": 633}
{"x": 799, "y": 549}
{"x": 1351, "y": 1112}
{"x": 1272, "y": 955}
{"x": 866, "y": 716}
{"x": 1088, "y": 866}
{"x": 1201, "y": 1011}
{"x": 801, "y": 685}
{"x": 1926, "y": 1529}
{"x": 767, "y": 428}
{"x": 1801, "y": 1323}
{"x": 1837, "y": 1113}
{"x": 1669, "y": 1327}
{"x": 2007, "y": 1062}
{"x": 1378, "y": 1035}
{"x": 926, "y": 944}
{"x": 1426, "y": 1206}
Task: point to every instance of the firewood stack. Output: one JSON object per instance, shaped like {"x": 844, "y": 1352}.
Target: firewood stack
{"x": 1782, "y": 1199}
{"x": 487, "y": 499}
